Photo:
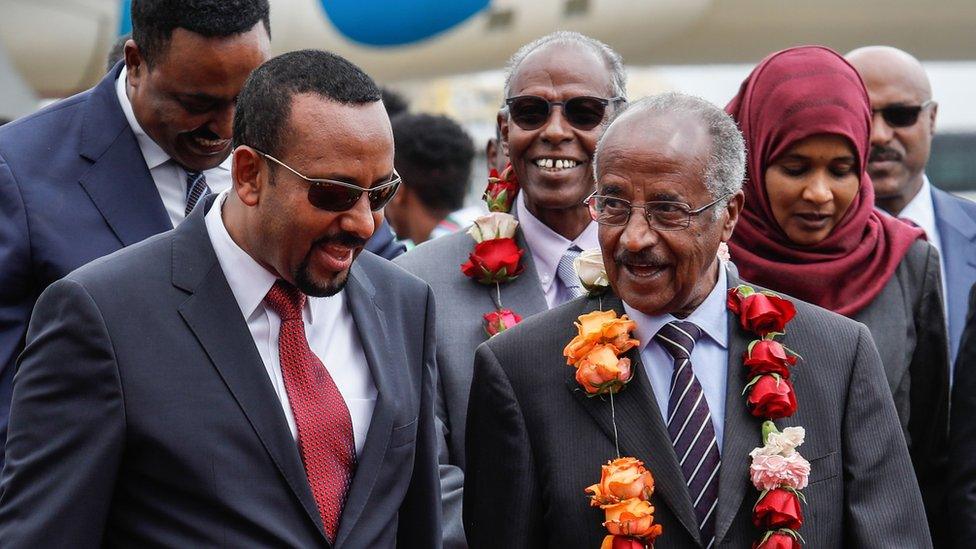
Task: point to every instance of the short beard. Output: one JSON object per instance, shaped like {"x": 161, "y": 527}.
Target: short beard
{"x": 309, "y": 287}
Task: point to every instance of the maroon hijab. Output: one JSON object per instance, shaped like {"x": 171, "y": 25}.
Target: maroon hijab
{"x": 794, "y": 94}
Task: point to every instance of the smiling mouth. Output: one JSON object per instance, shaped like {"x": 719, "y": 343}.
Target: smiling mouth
{"x": 555, "y": 164}
{"x": 644, "y": 271}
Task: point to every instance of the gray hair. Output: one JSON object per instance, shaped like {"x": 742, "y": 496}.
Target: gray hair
{"x": 726, "y": 165}
{"x": 615, "y": 63}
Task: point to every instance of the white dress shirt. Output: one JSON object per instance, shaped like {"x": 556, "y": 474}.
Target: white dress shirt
{"x": 170, "y": 177}
{"x": 547, "y": 248}
{"x": 329, "y": 327}
{"x": 709, "y": 358}
{"x": 921, "y": 211}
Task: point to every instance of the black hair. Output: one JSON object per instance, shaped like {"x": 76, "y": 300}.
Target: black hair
{"x": 394, "y": 102}
{"x": 433, "y": 156}
{"x": 264, "y": 105}
{"x": 117, "y": 52}
{"x": 153, "y": 21}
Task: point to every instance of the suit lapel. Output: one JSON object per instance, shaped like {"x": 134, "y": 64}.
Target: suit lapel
{"x": 213, "y": 315}
{"x": 957, "y": 232}
{"x": 742, "y": 431}
{"x": 524, "y": 295}
{"x": 372, "y": 328}
{"x": 641, "y": 429}
{"x": 118, "y": 182}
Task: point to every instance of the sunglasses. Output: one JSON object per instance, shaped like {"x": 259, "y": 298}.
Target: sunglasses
{"x": 339, "y": 196}
{"x": 531, "y": 112}
{"x": 902, "y": 116}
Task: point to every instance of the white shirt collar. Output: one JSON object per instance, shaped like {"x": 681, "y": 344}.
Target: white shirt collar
{"x": 921, "y": 210}
{"x": 153, "y": 154}
{"x": 546, "y": 245}
{"x": 248, "y": 280}
{"x": 710, "y": 316}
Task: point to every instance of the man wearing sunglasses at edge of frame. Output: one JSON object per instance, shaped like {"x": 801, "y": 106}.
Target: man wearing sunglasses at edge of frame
{"x": 252, "y": 378}
{"x": 560, "y": 93}
{"x": 903, "y": 124}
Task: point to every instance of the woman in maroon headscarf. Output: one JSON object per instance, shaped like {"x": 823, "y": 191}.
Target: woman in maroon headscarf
{"x": 809, "y": 229}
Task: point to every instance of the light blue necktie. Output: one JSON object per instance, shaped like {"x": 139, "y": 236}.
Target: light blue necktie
{"x": 567, "y": 273}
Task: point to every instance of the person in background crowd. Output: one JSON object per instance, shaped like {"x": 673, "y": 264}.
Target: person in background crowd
{"x": 810, "y": 230}
{"x": 117, "y": 52}
{"x": 126, "y": 159}
{"x": 560, "y": 92}
{"x": 249, "y": 379}
{"x": 3, "y": 120}
{"x": 902, "y": 127}
{"x": 394, "y": 102}
{"x": 962, "y": 440}
{"x": 669, "y": 177}
{"x": 495, "y": 154}
{"x": 433, "y": 156}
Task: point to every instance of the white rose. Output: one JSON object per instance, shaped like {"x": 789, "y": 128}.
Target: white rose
{"x": 723, "y": 252}
{"x": 589, "y": 269}
{"x": 781, "y": 444}
{"x": 492, "y": 226}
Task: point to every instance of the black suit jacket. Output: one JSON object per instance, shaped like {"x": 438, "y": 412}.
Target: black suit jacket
{"x": 143, "y": 415}
{"x": 73, "y": 187}
{"x": 962, "y": 438}
{"x": 535, "y": 441}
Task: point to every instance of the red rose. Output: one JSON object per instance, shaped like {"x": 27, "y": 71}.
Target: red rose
{"x": 779, "y": 508}
{"x": 498, "y": 321}
{"x": 622, "y": 542}
{"x": 501, "y": 190}
{"x": 760, "y": 313}
{"x": 779, "y": 540}
{"x": 494, "y": 261}
{"x": 772, "y": 398}
{"x": 768, "y": 357}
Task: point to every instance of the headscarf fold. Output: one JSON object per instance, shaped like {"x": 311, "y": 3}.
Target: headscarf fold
{"x": 794, "y": 94}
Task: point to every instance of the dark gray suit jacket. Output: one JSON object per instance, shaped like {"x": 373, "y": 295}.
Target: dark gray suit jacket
{"x": 907, "y": 323}
{"x": 461, "y": 302}
{"x": 535, "y": 441}
{"x": 962, "y": 448}
{"x": 143, "y": 415}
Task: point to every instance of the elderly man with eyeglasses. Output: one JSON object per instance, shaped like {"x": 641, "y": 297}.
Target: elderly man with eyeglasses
{"x": 669, "y": 173}
{"x": 560, "y": 92}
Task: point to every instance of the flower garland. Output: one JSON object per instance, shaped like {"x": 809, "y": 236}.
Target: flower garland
{"x": 625, "y": 486}
{"x": 496, "y": 258}
{"x": 777, "y": 470}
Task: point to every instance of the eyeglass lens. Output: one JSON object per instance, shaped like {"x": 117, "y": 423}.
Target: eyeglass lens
{"x": 661, "y": 215}
{"x": 531, "y": 112}
{"x": 900, "y": 116}
{"x": 335, "y": 198}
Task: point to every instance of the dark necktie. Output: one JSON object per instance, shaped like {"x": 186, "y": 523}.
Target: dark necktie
{"x": 690, "y": 426}
{"x": 325, "y": 436}
{"x": 567, "y": 273}
{"x": 196, "y": 188}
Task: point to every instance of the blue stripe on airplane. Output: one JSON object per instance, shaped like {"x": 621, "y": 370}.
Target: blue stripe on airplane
{"x": 125, "y": 18}
{"x": 398, "y": 22}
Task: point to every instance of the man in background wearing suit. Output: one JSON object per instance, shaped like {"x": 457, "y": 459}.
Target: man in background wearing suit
{"x": 550, "y": 155}
{"x": 962, "y": 438}
{"x": 126, "y": 159}
{"x": 540, "y": 440}
{"x": 250, "y": 378}
{"x": 901, "y": 138}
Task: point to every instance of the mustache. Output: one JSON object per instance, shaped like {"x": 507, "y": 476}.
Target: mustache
{"x": 881, "y": 154}
{"x": 643, "y": 257}
{"x": 342, "y": 238}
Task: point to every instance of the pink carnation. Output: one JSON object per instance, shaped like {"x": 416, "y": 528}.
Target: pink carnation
{"x": 770, "y": 472}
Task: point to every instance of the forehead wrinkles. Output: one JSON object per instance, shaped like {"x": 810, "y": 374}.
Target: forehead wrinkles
{"x": 562, "y": 65}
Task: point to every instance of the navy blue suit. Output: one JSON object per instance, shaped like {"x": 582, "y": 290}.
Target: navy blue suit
{"x": 73, "y": 187}
{"x": 956, "y": 222}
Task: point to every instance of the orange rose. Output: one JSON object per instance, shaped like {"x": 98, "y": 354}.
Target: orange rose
{"x": 600, "y": 327}
{"x": 622, "y": 478}
{"x": 601, "y": 370}
{"x": 632, "y": 517}
{"x": 617, "y": 333}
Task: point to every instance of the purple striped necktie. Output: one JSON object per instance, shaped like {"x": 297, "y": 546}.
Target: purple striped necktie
{"x": 196, "y": 188}
{"x": 690, "y": 426}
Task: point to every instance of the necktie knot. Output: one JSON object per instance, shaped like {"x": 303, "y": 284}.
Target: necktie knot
{"x": 285, "y": 300}
{"x": 567, "y": 273}
{"x": 196, "y": 189}
{"x": 678, "y": 338}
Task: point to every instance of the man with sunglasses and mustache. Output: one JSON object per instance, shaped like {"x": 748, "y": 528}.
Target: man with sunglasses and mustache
{"x": 901, "y": 138}
{"x": 252, "y": 378}
{"x": 560, "y": 92}
{"x": 126, "y": 159}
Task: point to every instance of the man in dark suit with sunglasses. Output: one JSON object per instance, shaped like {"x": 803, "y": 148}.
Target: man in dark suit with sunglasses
{"x": 901, "y": 138}
{"x": 560, "y": 92}
{"x": 252, "y": 378}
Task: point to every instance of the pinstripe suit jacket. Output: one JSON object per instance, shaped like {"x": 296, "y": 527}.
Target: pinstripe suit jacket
{"x": 534, "y": 441}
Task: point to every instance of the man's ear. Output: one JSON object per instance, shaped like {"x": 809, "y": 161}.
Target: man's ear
{"x": 732, "y": 211}
{"x": 135, "y": 65}
{"x": 502, "y": 121}
{"x": 250, "y": 175}
{"x": 932, "y": 115}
